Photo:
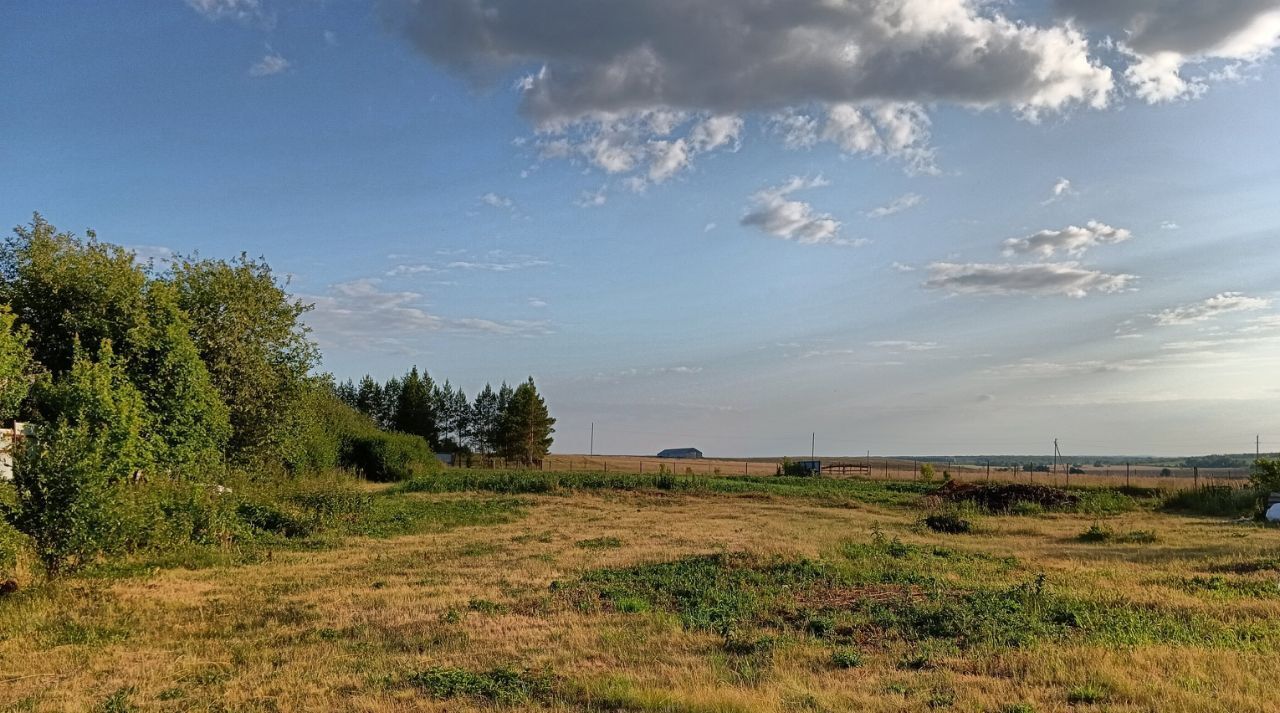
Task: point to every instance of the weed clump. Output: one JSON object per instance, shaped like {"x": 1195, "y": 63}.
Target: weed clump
{"x": 1003, "y": 497}
{"x": 498, "y": 685}
{"x": 845, "y": 657}
{"x": 948, "y": 523}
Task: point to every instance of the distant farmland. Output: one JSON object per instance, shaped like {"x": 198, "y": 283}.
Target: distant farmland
{"x": 891, "y": 468}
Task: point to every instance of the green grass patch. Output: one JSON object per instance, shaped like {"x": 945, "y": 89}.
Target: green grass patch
{"x": 1228, "y": 586}
{"x": 498, "y": 685}
{"x": 599, "y": 543}
{"x": 1099, "y": 534}
{"x": 536, "y": 482}
{"x": 885, "y": 589}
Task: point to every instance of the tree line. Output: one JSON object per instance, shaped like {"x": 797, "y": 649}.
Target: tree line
{"x": 148, "y": 384}
{"x": 513, "y": 423}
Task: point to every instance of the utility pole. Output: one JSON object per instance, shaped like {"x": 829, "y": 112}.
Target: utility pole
{"x": 1057, "y": 454}
{"x": 1257, "y": 447}
{"x": 593, "y": 439}
{"x": 813, "y": 444}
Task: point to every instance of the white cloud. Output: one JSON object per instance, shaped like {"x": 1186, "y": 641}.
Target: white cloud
{"x": 361, "y": 312}
{"x": 1074, "y": 241}
{"x": 1169, "y": 225}
{"x": 897, "y": 205}
{"x": 226, "y": 9}
{"x": 1061, "y": 189}
{"x": 537, "y": 302}
{"x": 1162, "y": 38}
{"x": 1042, "y": 279}
{"x": 271, "y": 64}
{"x": 776, "y": 214}
{"x": 903, "y": 267}
{"x": 405, "y": 270}
{"x": 1038, "y": 369}
{"x": 906, "y": 345}
{"x": 511, "y": 265}
{"x": 494, "y": 200}
{"x": 1216, "y": 306}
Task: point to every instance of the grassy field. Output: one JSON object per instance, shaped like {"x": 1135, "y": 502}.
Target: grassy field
{"x": 475, "y": 591}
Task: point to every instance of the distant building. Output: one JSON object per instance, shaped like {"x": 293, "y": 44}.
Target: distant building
{"x": 8, "y": 437}
{"x": 681, "y": 453}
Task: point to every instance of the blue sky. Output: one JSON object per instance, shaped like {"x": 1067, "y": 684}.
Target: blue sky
{"x": 825, "y": 228}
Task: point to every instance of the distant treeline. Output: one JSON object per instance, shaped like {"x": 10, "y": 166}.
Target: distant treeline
{"x": 512, "y": 423}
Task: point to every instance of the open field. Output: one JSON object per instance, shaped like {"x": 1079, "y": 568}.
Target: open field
{"x": 591, "y": 593}
{"x": 1145, "y": 476}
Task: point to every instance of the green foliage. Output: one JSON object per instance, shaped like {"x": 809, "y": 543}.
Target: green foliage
{"x": 1264, "y": 476}
{"x": 67, "y": 501}
{"x": 17, "y": 370}
{"x": 387, "y": 457}
{"x": 256, "y": 349}
{"x": 71, "y": 291}
{"x": 191, "y": 422}
{"x": 927, "y": 473}
{"x": 526, "y": 425}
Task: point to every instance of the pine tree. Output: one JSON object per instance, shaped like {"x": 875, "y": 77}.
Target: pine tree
{"x": 369, "y": 397}
{"x": 526, "y": 425}
{"x": 485, "y": 420}
{"x": 415, "y": 408}
{"x": 346, "y": 392}
{"x": 390, "y": 398}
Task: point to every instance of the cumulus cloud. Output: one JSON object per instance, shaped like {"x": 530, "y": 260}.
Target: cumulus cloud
{"x": 1162, "y": 38}
{"x": 897, "y": 205}
{"x": 271, "y": 63}
{"x": 1216, "y": 306}
{"x": 776, "y": 213}
{"x": 855, "y": 74}
{"x": 1043, "y": 279}
{"x": 1073, "y": 240}
{"x": 728, "y": 56}
{"x": 656, "y": 145}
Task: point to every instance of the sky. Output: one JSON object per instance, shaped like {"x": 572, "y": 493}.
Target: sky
{"x": 905, "y": 226}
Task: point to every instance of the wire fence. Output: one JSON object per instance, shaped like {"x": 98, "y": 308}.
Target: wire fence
{"x": 1108, "y": 474}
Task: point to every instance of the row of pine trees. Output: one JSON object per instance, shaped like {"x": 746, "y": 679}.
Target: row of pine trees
{"x": 513, "y": 423}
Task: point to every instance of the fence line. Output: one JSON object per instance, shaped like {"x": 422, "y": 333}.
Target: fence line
{"x": 885, "y": 468}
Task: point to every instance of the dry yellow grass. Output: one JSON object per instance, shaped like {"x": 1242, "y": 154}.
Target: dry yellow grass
{"x": 339, "y": 629}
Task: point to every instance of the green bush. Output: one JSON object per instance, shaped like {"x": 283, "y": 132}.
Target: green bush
{"x": 1213, "y": 500}
{"x": 388, "y": 457}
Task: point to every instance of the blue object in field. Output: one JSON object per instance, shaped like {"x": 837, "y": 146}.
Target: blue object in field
{"x": 811, "y": 467}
